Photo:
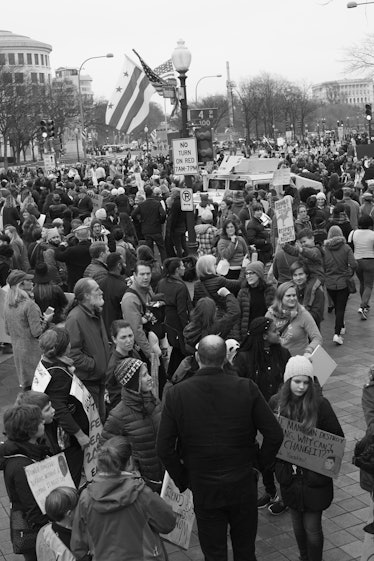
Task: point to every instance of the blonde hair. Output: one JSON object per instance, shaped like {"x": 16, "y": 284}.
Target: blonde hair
{"x": 15, "y": 295}
{"x": 206, "y": 265}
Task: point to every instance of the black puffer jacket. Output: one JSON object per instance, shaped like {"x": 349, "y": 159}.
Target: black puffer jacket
{"x": 137, "y": 417}
{"x": 209, "y": 285}
{"x": 244, "y": 300}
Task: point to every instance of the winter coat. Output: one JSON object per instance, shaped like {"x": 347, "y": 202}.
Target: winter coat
{"x": 120, "y": 518}
{"x": 312, "y": 297}
{"x": 177, "y": 309}
{"x": 307, "y": 490}
{"x": 77, "y": 258}
{"x": 341, "y": 220}
{"x": 89, "y": 344}
{"x": 244, "y": 301}
{"x": 234, "y": 252}
{"x": 258, "y": 235}
{"x": 209, "y": 285}
{"x": 113, "y": 387}
{"x": 301, "y": 334}
{"x": 339, "y": 261}
{"x": 367, "y": 402}
{"x": 281, "y": 265}
{"x": 114, "y": 287}
{"x": 49, "y": 547}
{"x": 14, "y": 457}
{"x": 206, "y": 236}
{"x": 57, "y": 300}
{"x": 24, "y": 324}
{"x": 151, "y": 215}
{"x": 176, "y": 221}
{"x": 96, "y": 270}
{"x": 132, "y": 306}
{"x": 137, "y": 417}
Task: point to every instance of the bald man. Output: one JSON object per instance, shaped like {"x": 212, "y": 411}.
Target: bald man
{"x": 214, "y": 419}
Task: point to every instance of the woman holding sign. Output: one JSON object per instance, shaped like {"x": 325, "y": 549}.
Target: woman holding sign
{"x": 305, "y": 492}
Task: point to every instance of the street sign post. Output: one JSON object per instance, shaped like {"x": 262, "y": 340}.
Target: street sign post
{"x": 185, "y": 156}
{"x": 186, "y": 196}
{"x": 203, "y": 117}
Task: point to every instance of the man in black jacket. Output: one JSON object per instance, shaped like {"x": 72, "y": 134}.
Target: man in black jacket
{"x": 114, "y": 287}
{"x": 215, "y": 418}
{"x": 151, "y": 215}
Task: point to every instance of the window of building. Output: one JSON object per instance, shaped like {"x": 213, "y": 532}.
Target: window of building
{"x": 29, "y": 59}
{"x": 36, "y": 57}
{"x": 18, "y": 77}
{"x": 34, "y": 77}
{"x": 11, "y": 59}
{"x": 2, "y": 59}
{"x": 20, "y": 90}
{"x": 7, "y": 77}
{"x": 42, "y": 60}
{"x": 41, "y": 78}
{"x": 21, "y": 59}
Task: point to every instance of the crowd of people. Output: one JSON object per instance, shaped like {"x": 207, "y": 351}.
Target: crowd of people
{"x": 186, "y": 357}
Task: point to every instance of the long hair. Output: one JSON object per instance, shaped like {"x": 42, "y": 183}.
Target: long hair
{"x": 254, "y": 341}
{"x": 204, "y": 313}
{"x": 10, "y": 202}
{"x": 206, "y": 265}
{"x": 43, "y": 292}
{"x": 224, "y": 226}
{"x": 304, "y": 409}
{"x": 279, "y": 295}
{"x": 15, "y": 295}
{"x": 170, "y": 265}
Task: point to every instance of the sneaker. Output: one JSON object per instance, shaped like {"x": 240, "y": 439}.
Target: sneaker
{"x": 265, "y": 500}
{"x": 338, "y": 339}
{"x": 342, "y": 331}
{"x": 364, "y": 313}
{"x": 277, "y": 507}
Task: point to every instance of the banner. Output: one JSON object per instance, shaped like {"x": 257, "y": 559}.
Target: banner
{"x": 285, "y": 223}
{"x": 39, "y": 384}
{"x": 47, "y": 475}
{"x": 317, "y": 450}
{"x": 182, "y": 505}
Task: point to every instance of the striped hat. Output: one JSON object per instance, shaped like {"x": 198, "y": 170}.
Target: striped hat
{"x": 127, "y": 373}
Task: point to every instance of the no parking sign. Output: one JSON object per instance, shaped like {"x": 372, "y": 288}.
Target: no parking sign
{"x": 186, "y": 199}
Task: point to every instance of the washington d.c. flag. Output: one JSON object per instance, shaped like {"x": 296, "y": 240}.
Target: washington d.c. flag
{"x": 129, "y": 105}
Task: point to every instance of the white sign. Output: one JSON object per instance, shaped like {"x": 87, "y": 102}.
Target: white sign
{"x": 182, "y": 505}
{"x": 286, "y": 228}
{"x": 281, "y": 177}
{"x": 41, "y": 378}
{"x": 228, "y": 164}
{"x": 97, "y": 201}
{"x": 49, "y": 162}
{"x": 47, "y": 475}
{"x": 185, "y": 156}
{"x": 323, "y": 364}
{"x": 186, "y": 199}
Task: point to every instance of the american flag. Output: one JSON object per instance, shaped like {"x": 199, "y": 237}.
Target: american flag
{"x": 157, "y": 81}
{"x": 166, "y": 72}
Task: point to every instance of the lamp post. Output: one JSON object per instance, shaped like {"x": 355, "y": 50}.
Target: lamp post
{"x": 108, "y": 55}
{"x": 181, "y": 58}
{"x": 204, "y": 78}
{"x": 355, "y": 4}
{"x": 146, "y": 137}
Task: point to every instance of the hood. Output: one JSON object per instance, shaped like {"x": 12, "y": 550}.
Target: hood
{"x": 10, "y": 448}
{"x": 335, "y": 243}
{"x": 203, "y": 228}
{"x": 110, "y": 493}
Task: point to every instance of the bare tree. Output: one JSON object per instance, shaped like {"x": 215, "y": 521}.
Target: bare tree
{"x": 360, "y": 57}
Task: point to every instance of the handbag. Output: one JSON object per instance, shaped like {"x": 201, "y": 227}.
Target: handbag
{"x": 23, "y": 537}
{"x": 223, "y": 267}
{"x": 351, "y": 285}
{"x": 363, "y": 455}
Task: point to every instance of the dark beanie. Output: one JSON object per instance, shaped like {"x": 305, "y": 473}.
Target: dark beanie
{"x": 127, "y": 373}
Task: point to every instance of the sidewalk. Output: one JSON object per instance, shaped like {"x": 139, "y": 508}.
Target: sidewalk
{"x": 344, "y": 520}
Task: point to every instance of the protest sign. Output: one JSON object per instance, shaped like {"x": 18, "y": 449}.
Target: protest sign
{"x": 285, "y": 223}
{"x": 97, "y": 201}
{"x": 323, "y": 364}
{"x": 182, "y": 505}
{"x": 47, "y": 475}
{"x": 281, "y": 177}
{"x": 317, "y": 450}
{"x": 41, "y": 378}
{"x": 80, "y": 392}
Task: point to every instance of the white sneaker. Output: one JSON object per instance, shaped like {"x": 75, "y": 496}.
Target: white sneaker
{"x": 338, "y": 339}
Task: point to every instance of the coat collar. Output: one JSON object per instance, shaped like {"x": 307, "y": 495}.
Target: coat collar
{"x": 210, "y": 371}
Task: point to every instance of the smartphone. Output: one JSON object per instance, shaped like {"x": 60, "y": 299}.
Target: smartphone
{"x": 49, "y": 310}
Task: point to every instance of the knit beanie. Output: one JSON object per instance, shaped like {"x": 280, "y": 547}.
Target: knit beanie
{"x": 127, "y": 373}
{"x": 51, "y": 233}
{"x": 100, "y": 214}
{"x": 258, "y": 268}
{"x": 298, "y": 366}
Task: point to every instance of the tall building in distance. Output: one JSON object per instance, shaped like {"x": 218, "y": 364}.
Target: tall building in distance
{"x": 23, "y": 59}
{"x": 353, "y": 92}
{"x": 71, "y": 75}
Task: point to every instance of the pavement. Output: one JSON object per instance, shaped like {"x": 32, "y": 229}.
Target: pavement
{"x": 343, "y": 522}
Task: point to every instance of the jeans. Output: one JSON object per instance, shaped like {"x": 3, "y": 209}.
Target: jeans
{"x": 159, "y": 241}
{"x": 365, "y": 274}
{"x": 340, "y": 298}
{"x": 307, "y": 527}
{"x": 212, "y": 528}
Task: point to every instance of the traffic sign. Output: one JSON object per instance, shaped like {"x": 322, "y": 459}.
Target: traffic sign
{"x": 186, "y": 199}
{"x": 185, "y": 156}
{"x": 203, "y": 117}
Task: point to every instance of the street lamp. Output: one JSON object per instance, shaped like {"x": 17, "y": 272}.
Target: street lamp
{"x": 181, "y": 58}
{"x": 146, "y": 137}
{"x": 109, "y": 55}
{"x": 203, "y": 78}
{"x": 355, "y": 4}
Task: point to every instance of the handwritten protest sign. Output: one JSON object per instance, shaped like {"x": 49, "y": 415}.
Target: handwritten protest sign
{"x": 281, "y": 177}
{"x": 97, "y": 201}
{"x": 283, "y": 213}
{"x": 182, "y": 505}
{"x": 317, "y": 450}
{"x": 40, "y": 383}
{"x": 47, "y": 475}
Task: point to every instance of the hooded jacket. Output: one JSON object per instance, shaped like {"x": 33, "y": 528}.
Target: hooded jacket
{"x": 339, "y": 262}
{"x": 119, "y": 517}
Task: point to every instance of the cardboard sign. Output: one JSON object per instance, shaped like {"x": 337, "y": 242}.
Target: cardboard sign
{"x": 97, "y": 201}
{"x": 281, "y": 177}
{"x": 317, "y": 450}
{"x": 285, "y": 223}
{"x": 182, "y": 505}
{"x": 47, "y": 475}
{"x": 323, "y": 364}
{"x": 81, "y": 393}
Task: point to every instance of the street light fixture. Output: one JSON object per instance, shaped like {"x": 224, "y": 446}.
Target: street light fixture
{"x": 203, "y": 78}
{"x": 355, "y": 4}
{"x": 108, "y": 55}
{"x": 181, "y": 58}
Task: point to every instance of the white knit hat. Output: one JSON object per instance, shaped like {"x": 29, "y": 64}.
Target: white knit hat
{"x": 298, "y": 366}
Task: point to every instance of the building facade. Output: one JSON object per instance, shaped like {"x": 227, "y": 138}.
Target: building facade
{"x": 353, "y": 92}
{"x": 23, "y": 59}
{"x": 71, "y": 75}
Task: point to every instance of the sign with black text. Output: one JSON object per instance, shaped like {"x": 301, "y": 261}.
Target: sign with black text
{"x": 182, "y": 505}
{"x": 185, "y": 156}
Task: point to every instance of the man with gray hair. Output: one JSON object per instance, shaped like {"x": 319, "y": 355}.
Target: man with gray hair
{"x": 207, "y": 442}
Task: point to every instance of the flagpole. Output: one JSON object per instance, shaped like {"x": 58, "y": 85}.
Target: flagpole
{"x": 166, "y": 123}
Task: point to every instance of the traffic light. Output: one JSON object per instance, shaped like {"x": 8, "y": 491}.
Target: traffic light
{"x": 43, "y": 128}
{"x": 368, "y": 111}
{"x": 204, "y": 139}
{"x": 51, "y": 128}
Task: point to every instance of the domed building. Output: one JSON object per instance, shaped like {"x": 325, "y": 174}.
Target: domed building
{"x": 24, "y": 58}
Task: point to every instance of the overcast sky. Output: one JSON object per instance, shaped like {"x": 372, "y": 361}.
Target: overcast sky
{"x": 300, "y": 40}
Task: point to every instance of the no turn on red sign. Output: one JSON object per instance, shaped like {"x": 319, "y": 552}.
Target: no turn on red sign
{"x": 185, "y": 156}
